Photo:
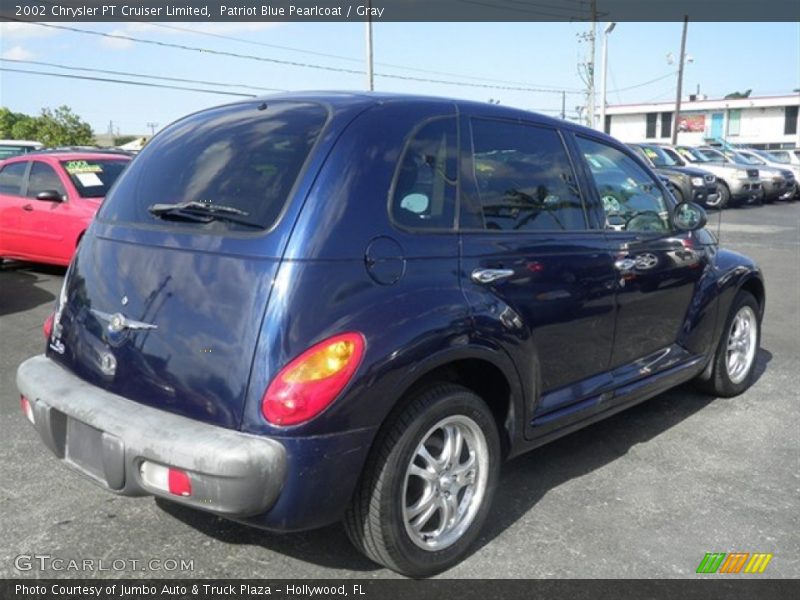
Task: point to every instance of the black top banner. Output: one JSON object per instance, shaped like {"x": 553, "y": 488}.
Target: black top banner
{"x": 401, "y": 10}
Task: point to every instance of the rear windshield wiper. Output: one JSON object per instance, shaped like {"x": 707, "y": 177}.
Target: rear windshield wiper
{"x": 201, "y": 212}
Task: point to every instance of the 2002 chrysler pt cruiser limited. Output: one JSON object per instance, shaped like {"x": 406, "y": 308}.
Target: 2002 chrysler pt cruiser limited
{"x": 306, "y": 308}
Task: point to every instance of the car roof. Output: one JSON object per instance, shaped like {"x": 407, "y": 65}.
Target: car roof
{"x": 348, "y": 99}
{"x": 59, "y": 155}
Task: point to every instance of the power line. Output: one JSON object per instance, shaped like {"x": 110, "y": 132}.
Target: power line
{"x": 142, "y": 75}
{"x": 335, "y": 56}
{"x": 126, "y": 82}
{"x": 638, "y": 85}
{"x": 340, "y": 57}
{"x": 289, "y": 62}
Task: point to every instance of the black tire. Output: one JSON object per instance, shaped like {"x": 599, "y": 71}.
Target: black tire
{"x": 375, "y": 520}
{"x": 718, "y": 379}
{"x": 724, "y": 193}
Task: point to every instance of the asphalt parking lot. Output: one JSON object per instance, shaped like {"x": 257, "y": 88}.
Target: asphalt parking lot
{"x": 644, "y": 494}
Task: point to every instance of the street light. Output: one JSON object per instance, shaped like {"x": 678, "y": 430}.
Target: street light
{"x": 608, "y": 29}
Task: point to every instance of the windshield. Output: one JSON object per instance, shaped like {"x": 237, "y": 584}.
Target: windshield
{"x": 9, "y": 150}
{"x": 92, "y": 177}
{"x": 712, "y": 154}
{"x": 244, "y": 156}
{"x": 658, "y": 157}
{"x": 750, "y": 158}
{"x": 692, "y": 154}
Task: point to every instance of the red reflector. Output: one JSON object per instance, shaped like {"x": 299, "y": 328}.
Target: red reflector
{"x": 26, "y": 407}
{"x": 47, "y": 327}
{"x": 179, "y": 483}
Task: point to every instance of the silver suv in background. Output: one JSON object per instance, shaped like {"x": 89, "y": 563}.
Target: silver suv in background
{"x": 778, "y": 184}
{"x": 735, "y": 183}
{"x": 766, "y": 159}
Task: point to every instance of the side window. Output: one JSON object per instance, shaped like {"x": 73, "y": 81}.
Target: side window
{"x": 425, "y": 186}
{"x": 43, "y": 178}
{"x": 11, "y": 177}
{"x": 632, "y": 199}
{"x": 524, "y": 178}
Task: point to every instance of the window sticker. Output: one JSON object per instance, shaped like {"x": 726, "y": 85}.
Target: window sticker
{"x": 89, "y": 179}
{"x": 74, "y": 167}
{"x": 650, "y": 153}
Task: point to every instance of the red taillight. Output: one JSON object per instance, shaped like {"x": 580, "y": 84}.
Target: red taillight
{"x": 47, "y": 326}
{"x": 309, "y": 383}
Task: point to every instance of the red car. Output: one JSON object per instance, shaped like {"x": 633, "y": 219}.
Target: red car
{"x": 48, "y": 199}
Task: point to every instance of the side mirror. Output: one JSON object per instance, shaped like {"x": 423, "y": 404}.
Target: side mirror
{"x": 689, "y": 216}
{"x": 50, "y": 196}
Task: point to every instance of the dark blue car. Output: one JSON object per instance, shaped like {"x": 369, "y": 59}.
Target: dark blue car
{"x": 306, "y": 308}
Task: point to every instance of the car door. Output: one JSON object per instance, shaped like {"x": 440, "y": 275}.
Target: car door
{"x": 49, "y": 224}
{"x": 657, "y": 269}
{"x": 535, "y": 268}
{"x": 12, "y": 200}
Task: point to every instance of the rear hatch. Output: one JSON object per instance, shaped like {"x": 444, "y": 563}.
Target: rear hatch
{"x": 164, "y": 300}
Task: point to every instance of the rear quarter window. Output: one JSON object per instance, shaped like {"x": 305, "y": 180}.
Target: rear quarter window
{"x": 244, "y": 156}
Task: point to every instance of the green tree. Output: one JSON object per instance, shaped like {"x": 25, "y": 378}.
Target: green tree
{"x": 62, "y": 127}
{"x": 25, "y": 128}
{"x": 7, "y": 121}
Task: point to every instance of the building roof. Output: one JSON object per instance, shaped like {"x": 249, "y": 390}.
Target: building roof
{"x": 707, "y": 104}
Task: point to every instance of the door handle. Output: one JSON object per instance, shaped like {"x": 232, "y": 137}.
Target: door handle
{"x": 27, "y": 207}
{"x": 625, "y": 265}
{"x": 490, "y": 275}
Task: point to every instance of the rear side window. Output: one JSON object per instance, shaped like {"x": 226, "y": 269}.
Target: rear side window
{"x": 524, "y": 178}
{"x": 11, "y": 177}
{"x": 43, "y": 178}
{"x": 93, "y": 178}
{"x": 246, "y": 157}
{"x": 425, "y": 185}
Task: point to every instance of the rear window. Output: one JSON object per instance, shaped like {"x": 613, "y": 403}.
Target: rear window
{"x": 246, "y": 157}
{"x": 93, "y": 178}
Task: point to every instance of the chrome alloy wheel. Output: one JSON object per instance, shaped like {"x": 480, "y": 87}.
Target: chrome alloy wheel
{"x": 445, "y": 483}
{"x": 742, "y": 339}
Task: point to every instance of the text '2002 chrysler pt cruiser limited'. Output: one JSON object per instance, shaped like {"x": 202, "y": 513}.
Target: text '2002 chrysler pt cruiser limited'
{"x": 307, "y": 308}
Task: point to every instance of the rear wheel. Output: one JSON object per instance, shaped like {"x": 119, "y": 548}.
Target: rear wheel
{"x": 428, "y": 484}
{"x": 733, "y": 365}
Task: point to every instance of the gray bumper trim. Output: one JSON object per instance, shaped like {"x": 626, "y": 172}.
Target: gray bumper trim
{"x": 106, "y": 437}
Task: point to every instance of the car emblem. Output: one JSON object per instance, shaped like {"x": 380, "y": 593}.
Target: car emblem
{"x": 119, "y": 322}
{"x": 124, "y": 301}
{"x": 108, "y": 364}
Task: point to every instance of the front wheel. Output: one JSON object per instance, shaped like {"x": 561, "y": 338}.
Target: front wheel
{"x": 733, "y": 364}
{"x": 428, "y": 484}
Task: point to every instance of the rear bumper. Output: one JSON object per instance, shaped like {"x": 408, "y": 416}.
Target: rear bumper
{"x": 106, "y": 438}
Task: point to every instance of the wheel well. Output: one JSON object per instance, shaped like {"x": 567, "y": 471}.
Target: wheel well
{"x": 483, "y": 378}
{"x": 755, "y": 287}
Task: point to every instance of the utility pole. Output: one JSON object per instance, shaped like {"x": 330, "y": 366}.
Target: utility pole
{"x": 563, "y": 105}
{"x": 152, "y": 127}
{"x": 586, "y": 69}
{"x": 603, "y": 81}
{"x": 677, "y": 115}
{"x": 592, "y": 36}
{"x": 370, "y": 74}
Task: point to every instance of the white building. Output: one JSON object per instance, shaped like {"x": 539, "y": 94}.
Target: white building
{"x": 766, "y": 122}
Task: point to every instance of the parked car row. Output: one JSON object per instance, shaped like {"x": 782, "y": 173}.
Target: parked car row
{"x": 49, "y": 198}
{"x": 716, "y": 177}
{"x": 353, "y": 307}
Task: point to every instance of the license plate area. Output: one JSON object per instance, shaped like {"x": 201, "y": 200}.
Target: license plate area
{"x": 85, "y": 448}
{"x": 95, "y": 453}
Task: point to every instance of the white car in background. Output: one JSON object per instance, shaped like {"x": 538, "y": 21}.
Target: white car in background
{"x": 770, "y": 159}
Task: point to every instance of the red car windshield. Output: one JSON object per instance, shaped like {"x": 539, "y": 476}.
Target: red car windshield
{"x": 93, "y": 177}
